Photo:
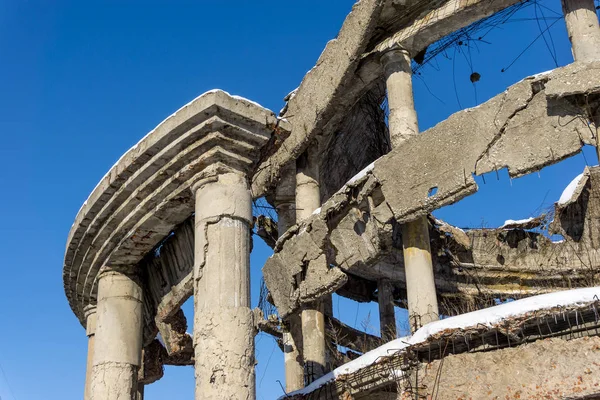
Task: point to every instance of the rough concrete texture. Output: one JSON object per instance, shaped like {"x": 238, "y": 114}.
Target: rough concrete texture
{"x": 224, "y": 344}
{"x": 398, "y": 186}
{"x": 146, "y": 194}
{"x": 305, "y": 256}
{"x": 114, "y": 381}
{"x": 546, "y": 369}
{"x": 118, "y": 338}
{"x": 223, "y": 321}
{"x": 173, "y": 331}
{"x": 418, "y": 266}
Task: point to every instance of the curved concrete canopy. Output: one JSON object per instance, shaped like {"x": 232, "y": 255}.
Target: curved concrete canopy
{"x": 147, "y": 192}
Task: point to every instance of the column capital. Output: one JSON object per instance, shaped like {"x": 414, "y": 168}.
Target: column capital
{"x": 131, "y": 271}
{"x": 396, "y": 59}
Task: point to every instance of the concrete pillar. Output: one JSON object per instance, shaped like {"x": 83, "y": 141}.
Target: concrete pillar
{"x": 223, "y": 321}
{"x": 285, "y": 203}
{"x": 403, "y": 123}
{"x": 90, "y": 331}
{"x": 118, "y": 338}
{"x": 583, "y": 28}
{"x": 387, "y": 313}
{"x": 584, "y": 33}
{"x": 308, "y": 199}
{"x": 402, "y": 119}
{"x": 420, "y": 283}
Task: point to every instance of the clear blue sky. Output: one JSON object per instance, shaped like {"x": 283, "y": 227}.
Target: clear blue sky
{"x": 81, "y": 82}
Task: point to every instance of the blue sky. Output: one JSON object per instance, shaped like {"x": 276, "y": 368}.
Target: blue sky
{"x": 81, "y": 82}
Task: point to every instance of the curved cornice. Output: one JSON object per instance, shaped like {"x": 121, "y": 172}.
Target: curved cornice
{"x": 147, "y": 192}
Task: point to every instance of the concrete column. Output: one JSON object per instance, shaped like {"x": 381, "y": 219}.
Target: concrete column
{"x": 583, "y": 29}
{"x": 420, "y": 283}
{"x": 118, "y": 338}
{"x": 584, "y": 33}
{"x": 308, "y": 199}
{"x": 90, "y": 331}
{"x": 223, "y": 321}
{"x": 402, "y": 120}
{"x": 285, "y": 203}
{"x": 387, "y": 314}
{"x": 403, "y": 123}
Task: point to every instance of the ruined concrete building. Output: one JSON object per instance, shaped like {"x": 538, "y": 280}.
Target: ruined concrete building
{"x": 173, "y": 219}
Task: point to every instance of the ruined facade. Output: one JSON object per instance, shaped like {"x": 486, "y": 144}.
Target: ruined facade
{"x": 173, "y": 219}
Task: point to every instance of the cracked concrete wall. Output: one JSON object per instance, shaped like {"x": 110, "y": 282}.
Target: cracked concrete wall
{"x": 546, "y": 369}
{"x": 445, "y": 157}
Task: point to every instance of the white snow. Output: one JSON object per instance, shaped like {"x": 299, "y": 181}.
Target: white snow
{"x": 566, "y": 195}
{"x": 488, "y": 317}
{"x": 493, "y": 315}
{"x": 517, "y": 222}
{"x": 317, "y": 211}
{"x": 361, "y": 174}
{"x": 245, "y": 99}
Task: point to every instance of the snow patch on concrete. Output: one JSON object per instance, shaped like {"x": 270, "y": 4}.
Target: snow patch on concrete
{"x": 567, "y": 194}
{"x": 489, "y": 317}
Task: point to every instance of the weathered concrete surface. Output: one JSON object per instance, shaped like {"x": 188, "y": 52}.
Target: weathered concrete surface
{"x": 308, "y": 199}
{"x": 224, "y": 326}
{"x": 118, "y": 338}
{"x": 542, "y": 131}
{"x": 173, "y": 331}
{"x": 146, "y": 194}
{"x": 280, "y": 272}
{"x": 546, "y": 369}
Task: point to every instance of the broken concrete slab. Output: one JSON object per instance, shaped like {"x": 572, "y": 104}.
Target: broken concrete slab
{"x": 504, "y": 132}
